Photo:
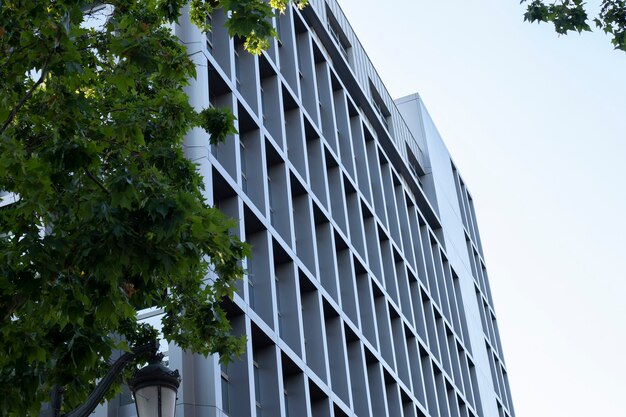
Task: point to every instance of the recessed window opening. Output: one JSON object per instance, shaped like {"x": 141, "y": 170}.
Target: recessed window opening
{"x": 244, "y": 169}
{"x": 209, "y": 33}
{"x": 334, "y": 28}
{"x": 379, "y": 106}
{"x": 225, "y": 390}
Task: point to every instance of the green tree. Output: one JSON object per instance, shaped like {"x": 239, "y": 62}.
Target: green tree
{"x": 573, "y": 15}
{"x": 110, "y": 216}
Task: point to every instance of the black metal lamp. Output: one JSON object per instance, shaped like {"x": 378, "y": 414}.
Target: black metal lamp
{"x": 154, "y": 388}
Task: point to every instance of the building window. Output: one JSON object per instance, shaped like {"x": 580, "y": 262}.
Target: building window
{"x": 244, "y": 168}
{"x": 277, "y": 281}
{"x": 263, "y": 106}
{"x": 250, "y": 291}
{"x": 257, "y": 388}
{"x": 286, "y": 402}
{"x": 225, "y": 390}
{"x": 270, "y": 198}
{"x": 341, "y": 40}
{"x": 209, "y": 34}
{"x": 279, "y": 31}
{"x": 379, "y": 110}
{"x": 379, "y": 106}
{"x": 237, "y": 69}
{"x": 299, "y": 59}
{"x": 279, "y": 312}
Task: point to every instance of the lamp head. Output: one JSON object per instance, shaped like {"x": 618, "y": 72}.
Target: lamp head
{"x": 154, "y": 387}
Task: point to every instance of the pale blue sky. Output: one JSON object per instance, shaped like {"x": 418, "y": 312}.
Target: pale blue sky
{"x": 536, "y": 124}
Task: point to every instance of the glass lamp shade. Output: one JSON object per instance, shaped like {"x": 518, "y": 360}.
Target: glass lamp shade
{"x": 155, "y": 401}
{"x": 155, "y": 387}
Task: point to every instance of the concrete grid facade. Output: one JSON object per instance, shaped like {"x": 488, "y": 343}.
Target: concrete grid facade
{"x": 367, "y": 292}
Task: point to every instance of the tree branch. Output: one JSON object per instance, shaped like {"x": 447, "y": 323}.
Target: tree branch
{"x": 13, "y": 51}
{"x": 16, "y": 302}
{"x": 28, "y": 95}
{"x": 97, "y": 181}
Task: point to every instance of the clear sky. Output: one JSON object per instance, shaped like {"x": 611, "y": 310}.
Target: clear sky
{"x": 536, "y": 124}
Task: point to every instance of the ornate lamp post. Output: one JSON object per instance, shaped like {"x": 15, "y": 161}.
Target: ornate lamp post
{"x": 154, "y": 387}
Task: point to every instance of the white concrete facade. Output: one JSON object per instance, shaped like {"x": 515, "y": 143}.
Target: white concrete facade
{"x": 367, "y": 293}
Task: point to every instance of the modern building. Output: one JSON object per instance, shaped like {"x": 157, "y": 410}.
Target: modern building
{"x": 367, "y": 294}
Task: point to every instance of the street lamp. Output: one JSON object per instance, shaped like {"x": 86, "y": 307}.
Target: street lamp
{"x": 154, "y": 387}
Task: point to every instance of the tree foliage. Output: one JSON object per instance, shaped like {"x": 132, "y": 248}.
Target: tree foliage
{"x": 573, "y": 15}
{"x": 110, "y": 216}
